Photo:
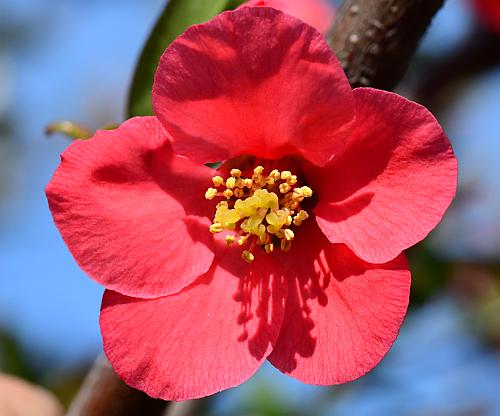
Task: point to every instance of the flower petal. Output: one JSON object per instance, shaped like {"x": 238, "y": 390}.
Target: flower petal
{"x": 209, "y": 337}
{"x": 317, "y": 13}
{"x": 253, "y": 81}
{"x": 392, "y": 184}
{"x": 342, "y": 315}
{"x": 489, "y": 13}
{"x": 129, "y": 210}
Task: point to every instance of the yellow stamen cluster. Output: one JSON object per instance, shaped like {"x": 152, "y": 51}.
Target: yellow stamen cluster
{"x": 259, "y": 209}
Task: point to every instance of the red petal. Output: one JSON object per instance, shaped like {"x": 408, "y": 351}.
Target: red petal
{"x": 129, "y": 210}
{"x": 253, "y": 81}
{"x": 317, "y": 13}
{"x": 342, "y": 314}
{"x": 393, "y": 183}
{"x": 489, "y": 13}
{"x": 209, "y": 337}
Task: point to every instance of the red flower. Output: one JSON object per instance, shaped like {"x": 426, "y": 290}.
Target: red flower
{"x": 318, "y": 13}
{"x": 489, "y": 13}
{"x": 323, "y": 297}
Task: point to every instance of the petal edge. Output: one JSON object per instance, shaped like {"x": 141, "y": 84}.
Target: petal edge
{"x": 253, "y": 81}
{"x": 120, "y": 203}
{"x": 394, "y": 181}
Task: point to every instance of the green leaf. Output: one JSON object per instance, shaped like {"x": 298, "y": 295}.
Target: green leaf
{"x": 175, "y": 19}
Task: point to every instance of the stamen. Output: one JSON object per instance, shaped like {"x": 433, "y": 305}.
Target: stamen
{"x": 211, "y": 193}
{"x": 216, "y": 228}
{"x": 230, "y": 183}
{"x": 298, "y": 195}
{"x": 286, "y": 245}
{"x": 217, "y": 180}
{"x": 307, "y": 192}
{"x": 289, "y": 235}
{"x": 259, "y": 209}
{"x": 275, "y": 174}
{"x": 301, "y": 216}
{"x": 235, "y": 173}
{"x": 284, "y": 187}
{"x": 238, "y": 192}
{"x": 247, "y": 256}
{"x": 258, "y": 170}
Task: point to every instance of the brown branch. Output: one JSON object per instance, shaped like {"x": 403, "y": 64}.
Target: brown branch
{"x": 190, "y": 407}
{"x": 104, "y": 394}
{"x": 375, "y": 39}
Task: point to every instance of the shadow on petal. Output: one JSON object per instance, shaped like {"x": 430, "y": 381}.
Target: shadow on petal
{"x": 342, "y": 314}
{"x": 340, "y": 211}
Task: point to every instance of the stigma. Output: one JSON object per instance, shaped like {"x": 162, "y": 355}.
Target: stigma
{"x": 258, "y": 210}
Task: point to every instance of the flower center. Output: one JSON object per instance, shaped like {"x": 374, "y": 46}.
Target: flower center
{"x": 258, "y": 210}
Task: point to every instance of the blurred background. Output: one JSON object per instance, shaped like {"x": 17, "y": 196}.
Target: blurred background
{"x": 70, "y": 59}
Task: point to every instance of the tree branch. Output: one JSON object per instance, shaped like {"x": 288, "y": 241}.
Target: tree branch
{"x": 104, "y": 394}
{"x": 375, "y": 39}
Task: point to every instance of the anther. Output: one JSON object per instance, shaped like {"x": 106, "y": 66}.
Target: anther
{"x": 284, "y": 187}
{"x": 286, "y": 174}
{"x": 217, "y": 180}
{"x": 280, "y": 234}
{"x": 215, "y": 228}
{"x": 285, "y": 245}
{"x": 247, "y": 256}
{"x": 235, "y": 173}
{"x": 289, "y": 235}
{"x": 211, "y": 193}
{"x": 258, "y": 170}
{"x": 301, "y": 216}
{"x": 230, "y": 183}
{"x": 269, "y": 248}
{"x": 298, "y": 195}
{"x": 275, "y": 174}
{"x": 242, "y": 240}
{"x": 228, "y": 193}
{"x": 238, "y": 192}
{"x": 230, "y": 240}
{"x": 306, "y": 191}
